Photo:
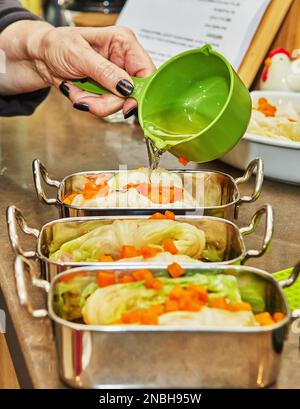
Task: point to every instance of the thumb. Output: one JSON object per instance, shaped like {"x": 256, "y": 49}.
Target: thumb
{"x": 109, "y": 75}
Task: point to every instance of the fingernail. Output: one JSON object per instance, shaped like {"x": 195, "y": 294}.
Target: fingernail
{"x": 82, "y": 107}
{"x": 132, "y": 111}
{"x": 64, "y": 89}
{"x": 124, "y": 87}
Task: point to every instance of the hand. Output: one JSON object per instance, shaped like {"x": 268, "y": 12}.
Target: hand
{"x": 53, "y": 56}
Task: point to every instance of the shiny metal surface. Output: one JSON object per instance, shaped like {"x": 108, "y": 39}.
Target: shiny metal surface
{"x": 227, "y": 206}
{"x": 227, "y": 236}
{"x": 102, "y": 356}
{"x": 67, "y": 141}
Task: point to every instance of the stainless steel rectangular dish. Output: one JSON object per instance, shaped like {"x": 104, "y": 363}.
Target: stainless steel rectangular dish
{"x": 145, "y": 356}
{"x": 219, "y": 193}
{"x": 220, "y": 235}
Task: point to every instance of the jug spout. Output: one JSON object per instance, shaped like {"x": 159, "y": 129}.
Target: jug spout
{"x": 206, "y": 49}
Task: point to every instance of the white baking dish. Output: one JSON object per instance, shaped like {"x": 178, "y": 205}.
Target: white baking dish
{"x": 281, "y": 157}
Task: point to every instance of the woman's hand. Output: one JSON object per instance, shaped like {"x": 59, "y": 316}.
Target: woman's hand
{"x": 39, "y": 55}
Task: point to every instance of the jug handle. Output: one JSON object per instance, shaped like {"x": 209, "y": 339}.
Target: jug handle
{"x": 90, "y": 85}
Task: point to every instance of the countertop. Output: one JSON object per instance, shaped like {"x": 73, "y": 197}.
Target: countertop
{"x": 67, "y": 141}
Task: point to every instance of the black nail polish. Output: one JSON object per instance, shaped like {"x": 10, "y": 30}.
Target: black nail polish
{"x": 82, "y": 107}
{"x": 64, "y": 89}
{"x": 131, "y": 112}
{"x": 124, "y": 87}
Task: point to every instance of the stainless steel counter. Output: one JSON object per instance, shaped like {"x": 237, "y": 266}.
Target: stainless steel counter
{"x": 68, "y": 141}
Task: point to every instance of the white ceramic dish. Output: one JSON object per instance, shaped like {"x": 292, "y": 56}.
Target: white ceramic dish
{"x": 281, "y": 157}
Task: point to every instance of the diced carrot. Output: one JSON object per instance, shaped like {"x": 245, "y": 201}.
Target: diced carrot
{"x": 141, "y": 274}
{"x": 128, "y": 252}
{"x": 183, "y": 303}
{"x": 157, "y": 284}
{"x": 148, "y": 277}
{"x": 157, "y": 216}
{"x": 183, "y": 160}
{"x": 106, "y": 259}
{"x": 152, "y": 282}
{"x": 171, "y": 305}
{"x": 169, "y": 215}
{"x": 148, "y": 252}
{"x": 175, "y": 270}
{"x": 278, "y": 316}
{"x": 131, "y": 186}
{"x": 91, "y": 190}
{"x": 220, "y": 303}
{"x": 202, "y": 293}
{"x": 68, "y": 199}
{"x": 193, "y": 305}
{"x": 126, "y": 317}
{"x": 239, "y": 306}
{"x": 169, "y": 246}
{"x": 89, "y": 194}
{"x": 90, "y": 186}
{"x": 176, "y": 293}
{"x": 126, "y": 279}
{"x": 132, "y": 317}
{"x": 149, "y": 318}
{"x": 105, "y": 278}
{"x": 266, "y": 108}
{"x": 264, "y": 318}
{"x": 157, "y": 309}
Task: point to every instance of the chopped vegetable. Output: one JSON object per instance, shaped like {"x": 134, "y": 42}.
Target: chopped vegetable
{"x": 171, "y": 305}
{"x": 126, "y": 279}
{"x": 175, "y": 270}
{"x": 69, "y": 198}
{"x": 128, "y": 252}
{"x": 141, "y": 274}
{"x": 169, "y": 246}
{"x": 148, "y": 252}
{"x": 105, "y": 278}
{"x": 220, "y": 303}
{"x": 169, "y": 215}
{"x": 264, "y": 318}
{"x": 183, "y": 161}
{"x": 266, "y": 108}
{"x": 142, "y": 298}
{"x": 279, "y": 122}
{"x": 106, "y": 259}
{"x": 157, "y": 216}
{"x": 278, "y": 316}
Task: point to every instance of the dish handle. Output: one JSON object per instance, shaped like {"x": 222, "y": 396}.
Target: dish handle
{"x": 23, "y": 267}
{"x": 15, "y": 218}
{"x": 268, "y": 233}
{"x": 258, "y": 165}
{"x": 292, "y": 278}
{"x": 40, "y": 174}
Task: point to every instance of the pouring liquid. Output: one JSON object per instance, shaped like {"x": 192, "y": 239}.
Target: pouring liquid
{"x": 154, "y": 154}
{"x": 170, "y": 127}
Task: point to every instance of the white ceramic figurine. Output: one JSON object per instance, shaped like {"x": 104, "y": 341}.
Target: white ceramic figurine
{"x": 281, "y": 71}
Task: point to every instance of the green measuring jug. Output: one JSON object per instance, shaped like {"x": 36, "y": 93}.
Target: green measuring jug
{"x": 194, "y": 105}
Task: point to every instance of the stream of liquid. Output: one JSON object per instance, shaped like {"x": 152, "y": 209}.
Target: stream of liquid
{"x": 154, "y": 154}
{"x": 169, "y": 128}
